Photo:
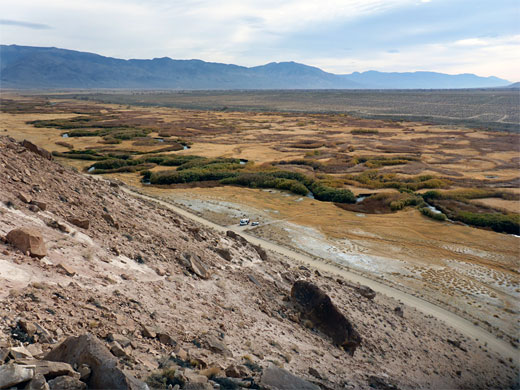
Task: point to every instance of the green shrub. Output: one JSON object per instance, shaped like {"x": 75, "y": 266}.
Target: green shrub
{"x": 410, "y": 200}
{"x": 79, "y": 155}
{"x": 502, "y": 223}
{"x": 431, "y": 214}
{"x": 329, "y": 194}
{"x": 114, "y": 163}
{"x": 126, "y": 168}
{"x": 364, "y": 131}
{"x": 311, "y": 163}
{"x": 471, "y": 193}
{"x": 188, "y": 176}
{"x": 267, "y": 180}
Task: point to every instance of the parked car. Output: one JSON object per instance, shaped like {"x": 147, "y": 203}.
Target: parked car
{"x": 244, "y": 221}
{"x": 255, "y": 223}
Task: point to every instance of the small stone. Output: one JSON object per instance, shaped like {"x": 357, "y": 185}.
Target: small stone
{"x": 38, "y": 382}
{"x": 79, "y": 222}
{"x": 196, "y": 266}
{"x": 215, "y": 345}
{"x": 35, "y": 350}
{"x": 34, "y": 208}
{"x": 65, "y": 268}
{"x": 399, "y": 311}
{"x": 122, "y": 340}
{"x": 314, "y": 373}
{"x": 367, "y": 292}
{"x": 66, "y": 383}
{"x": 193, "y": 377}
{"x": 224, "y": 253}
{"x": 233, "y": 372}
{"x": 20, "y": 353}
{"x": 28, "y": 327}
{"x": 4, "y": 353}
{"x": 110, "y": 220}
{"x": 150, "y": 331}
{"x": 84, "y": 372}
{"x": 26, "y": 198}
{"x": 117, "y": 350}
{"x": 181, "y": 353}
{"x": 41, "y": 205}
{"x": 198, "y": 386}
{"x": 165, "y": 338}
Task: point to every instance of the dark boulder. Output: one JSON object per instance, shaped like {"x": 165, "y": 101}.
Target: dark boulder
{"x": 317, "y": 307}
{"x": 36, "y": 149}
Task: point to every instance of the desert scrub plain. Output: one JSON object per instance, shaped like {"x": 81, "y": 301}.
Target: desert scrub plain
{"x": 391, "y": 199}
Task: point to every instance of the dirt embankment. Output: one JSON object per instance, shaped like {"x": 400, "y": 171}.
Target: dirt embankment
{"x": 116, "y": 264}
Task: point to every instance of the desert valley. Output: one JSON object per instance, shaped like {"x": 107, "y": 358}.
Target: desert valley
{"x": 411, "y": 227}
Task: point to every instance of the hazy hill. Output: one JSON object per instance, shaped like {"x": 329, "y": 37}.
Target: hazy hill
{"x": 43, "y": 67}
{"x": 419, "y": 80}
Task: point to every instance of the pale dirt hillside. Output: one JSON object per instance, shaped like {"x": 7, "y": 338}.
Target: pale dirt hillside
{"x": 128, "y": 270}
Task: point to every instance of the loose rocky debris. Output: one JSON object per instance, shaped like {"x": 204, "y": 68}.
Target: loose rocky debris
{"x": 146, "y": 292}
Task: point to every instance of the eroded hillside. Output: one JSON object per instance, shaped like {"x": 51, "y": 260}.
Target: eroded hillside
{"x": 176, "y": 294}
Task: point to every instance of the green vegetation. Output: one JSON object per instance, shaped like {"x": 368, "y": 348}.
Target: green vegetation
{"x": 311, "y": 163}
{"x": 373, "y": 162}
{"x": 506, "y": 223}
{"x": 110, "y": 127}
{"x": 188, "y": 176}
{"x": 374, "y": 179}
{"x": 266, "y": 180}
{"x": 407, "y": 199}
{"x": 431, "y": 214}
{"x": 457, "y": 206}
{"x": 364, "y": 131}
{"x": 472, "y": 193}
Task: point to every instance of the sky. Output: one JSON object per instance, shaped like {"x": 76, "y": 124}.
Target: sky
{"x": 338, "y": 36}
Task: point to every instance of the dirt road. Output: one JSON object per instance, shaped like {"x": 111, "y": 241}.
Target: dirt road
{"x": 462, "y": 325}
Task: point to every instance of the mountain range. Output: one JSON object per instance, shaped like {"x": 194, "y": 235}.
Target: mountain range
{"x": 49, "y": 67}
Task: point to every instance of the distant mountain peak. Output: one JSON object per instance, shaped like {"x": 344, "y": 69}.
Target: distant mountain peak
{"x": 50, "y": 67}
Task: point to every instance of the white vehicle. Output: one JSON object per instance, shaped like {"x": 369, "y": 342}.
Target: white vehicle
{"x": 254, "y": 223}
{"x": 244, "y": 221}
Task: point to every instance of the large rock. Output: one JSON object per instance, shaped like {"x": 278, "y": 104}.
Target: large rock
{"x": 28, "y": 240}
{"x": 317, "y": 307}
{"x": 275, "y": 378}
{"x": 87, "y": 349}
{"x": 13, "y": 374}
{"x": 36, "y": 149}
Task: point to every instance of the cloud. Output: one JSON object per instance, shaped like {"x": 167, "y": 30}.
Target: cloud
{"x": 483, "y": 56}
{"x": 379, "y": 34}
{"x": 18, "y": 23}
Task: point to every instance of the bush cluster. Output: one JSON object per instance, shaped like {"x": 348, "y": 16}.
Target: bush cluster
{"x": 431, "y": 214}
{"x": 267, "y": 180}
{"x": 502, "y": 223}
{"x": 374, "y": 179}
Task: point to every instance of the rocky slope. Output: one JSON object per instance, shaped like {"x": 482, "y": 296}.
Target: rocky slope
{"x": 178, "y": 304}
